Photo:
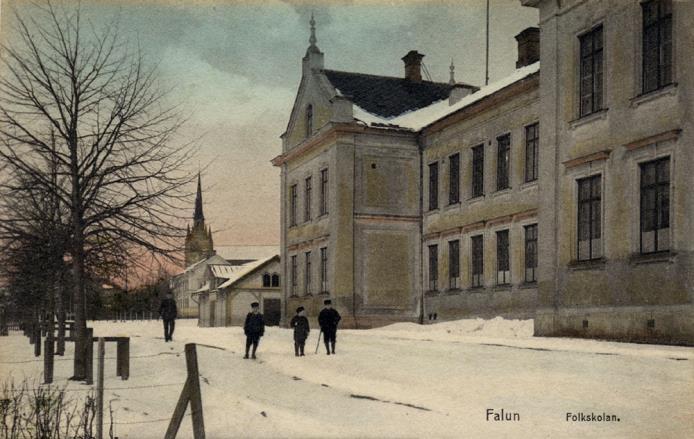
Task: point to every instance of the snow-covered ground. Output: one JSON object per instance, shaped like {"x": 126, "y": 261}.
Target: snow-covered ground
{"x": 403, "y": 380}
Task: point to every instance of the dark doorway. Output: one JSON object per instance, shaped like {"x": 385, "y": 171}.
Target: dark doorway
{"x": 272, "y": 310}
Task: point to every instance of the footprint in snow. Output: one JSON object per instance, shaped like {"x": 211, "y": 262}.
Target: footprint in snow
{"x": 264, "y": 414}
{"x": 325, "y": 385}
{"x": 296, "y": 378}
{"x": 145, "y": 413}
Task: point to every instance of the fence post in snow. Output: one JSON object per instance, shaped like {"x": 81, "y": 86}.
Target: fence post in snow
{"x": 90, "y": 356}
{"x": 100, "y": 392}
{"x": 37, "y": 340}
{"x": 190, "y": 393}
{"x": 48, "y": 352}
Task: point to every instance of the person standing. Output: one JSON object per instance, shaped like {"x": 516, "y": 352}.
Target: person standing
{"x": 254, "y": 328}
{"x": 328, "y": 319}
{"x": 301, "y": 329}
{"x": 168, "y": 313}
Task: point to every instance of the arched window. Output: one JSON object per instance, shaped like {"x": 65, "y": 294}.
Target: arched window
{"x": 309, "y": 120}
{"x": 275, "y": 280}
{"x": 266, "y": 280}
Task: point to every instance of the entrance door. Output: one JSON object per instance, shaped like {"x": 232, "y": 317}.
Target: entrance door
{"x": 272, "y": 311}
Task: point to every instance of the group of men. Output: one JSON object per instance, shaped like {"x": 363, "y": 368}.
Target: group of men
{"x": 254, "y": 326}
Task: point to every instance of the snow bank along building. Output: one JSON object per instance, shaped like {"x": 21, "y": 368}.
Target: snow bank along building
{"x": 557, "y": 193}
{"x": 207, "y": 266}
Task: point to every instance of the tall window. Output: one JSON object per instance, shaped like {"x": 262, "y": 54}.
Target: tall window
{"x": 293, "y": 274}
{"x": 478, "y": 171}
{"x": 454, "y": 264}
{"x": 454, "y": 179}
{"x": 324, "y": 191}
{"x": 655, "y": 206}
{"x": 307, "y": 201}
{"x": 433, "y": 186}
{"x": 531, "y": 253}
{"x": 503, "y": 263}
{"x": 591, "y": 72}
{"x": 503, "y": 144}
{"x": 477, "y": 245}
{"x": 309, "y": 120}
{"x": 292, "y": 205}
{"x": 307, "y": 274}
{"x": 433, "y": 267}
{"x": 657, "y": 44}
{"x": 589, "y": 218}
{"x": 324, "y": 270}
{"x": 275, "y": 280}
{"x": 532, "y": 142}
{"x": 266, "y": 280}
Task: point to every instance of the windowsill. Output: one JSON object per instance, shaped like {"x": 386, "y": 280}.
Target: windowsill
{"x": 528, "y": 285}
{"x": 528, "y": 185}
{"x": 308, "y": 295}
{"x": 293, "y": 296}
{"x": 589, "y": 264}
{"x": 670, "y": 89}
{"x": 502, "y": 192}
{"x": 477, "y": 289}
{"x": 323, "y": 216}
{"x": 431, "y": 293}
{"x": 453, "y": 291}
{"x": 667, "y": 257}
{"x": 452, "y": 206}
{"x": 476, "y": 199}
{"x": 588, "y": 118}
{"x": 502, "y": 287}
{"x": 431, "y": 211}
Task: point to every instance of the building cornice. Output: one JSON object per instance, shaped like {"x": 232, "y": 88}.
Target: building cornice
{"x": 660, "y": 137}
{"x": 578, "y": 161}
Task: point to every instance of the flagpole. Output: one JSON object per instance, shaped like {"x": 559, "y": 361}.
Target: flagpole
{"x": 486, "y": 75}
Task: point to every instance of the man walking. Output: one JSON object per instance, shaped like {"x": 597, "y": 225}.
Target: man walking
{"x": 328, "y": 319}
{"x": 168, "y": 313}
{"x": 254, "y": 328}
{"x": 301, "y": 329}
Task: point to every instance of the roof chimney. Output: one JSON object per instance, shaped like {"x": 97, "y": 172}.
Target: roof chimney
{"x": 413, "y": 65}
{"x": 528, "y": 47}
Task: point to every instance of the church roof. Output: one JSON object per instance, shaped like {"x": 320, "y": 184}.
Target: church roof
{"x": 387, "y": 96}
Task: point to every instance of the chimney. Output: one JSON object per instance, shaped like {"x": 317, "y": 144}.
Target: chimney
{"x": 413, "y": 65}
{"x": 528, "y": 47}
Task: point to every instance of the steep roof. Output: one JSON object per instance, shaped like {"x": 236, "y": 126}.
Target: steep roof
{"x": 386, "y": 96}
{"x": 246, "y": 270}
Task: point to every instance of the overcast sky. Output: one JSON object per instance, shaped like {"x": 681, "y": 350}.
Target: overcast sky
{"x": 235, "y": 67}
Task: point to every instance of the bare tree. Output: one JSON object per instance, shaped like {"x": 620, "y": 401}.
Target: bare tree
{"x": 114, "y": 140}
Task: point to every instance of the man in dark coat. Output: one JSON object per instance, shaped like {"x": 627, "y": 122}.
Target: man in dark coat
{"x": 168, "y": 313}
{"x": 254, "y": 328}
{"x": 328, "y": 319}
{"x": 301, "y": 329}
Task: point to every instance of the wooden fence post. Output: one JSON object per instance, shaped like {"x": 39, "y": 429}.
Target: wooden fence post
{"x": 37, "y": 340}
{"x": 60, "y": 350}
{"x": 48, "y": 352}
{"x": 123, "y": 358}
{"x": 90, "y": 356}
{"x": 100, "y": 392}
{"x": 190, "y": 393}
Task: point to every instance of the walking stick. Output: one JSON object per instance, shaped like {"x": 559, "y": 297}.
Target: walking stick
{"x": 318, "y": 344}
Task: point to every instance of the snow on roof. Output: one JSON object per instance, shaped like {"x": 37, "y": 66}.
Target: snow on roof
{"x": 248, "y": 252}
{"x": 245, "y": 269}
{"x": 418, "y": 119}
{"x": 224, "y": 271}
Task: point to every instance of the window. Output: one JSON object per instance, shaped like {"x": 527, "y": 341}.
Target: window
{"x": 589, "y": 233}
{"x": 433, "y": 267}
{"x": 503, "y": 144}
{"x": 656, "y": 44}
{"x": 433, "y": 186}
{"x": 454, "y": 264}
{"x": 477, "y": 260}
{"x": 307, "y": 274}
{"x": 292, "y": 205}
{"x": 454, "y": 179}
{"x": 307, "y": 202}
{"x": 591, "y": 72}
{"x": 293, "y": 274}
{"x": 324, "y": 269}
{"x": 266, "y": 280}
{"x": 531, "y": 253}
{"x": 478, "y": 171}
{"x": 324, "y": 191}
{"x": 275, "y": 280}
{"x": 532, "y": 142}
{"x": 655, "y": 206}
{"x": 503, "y": 264}
{"x": 309, "y": 120}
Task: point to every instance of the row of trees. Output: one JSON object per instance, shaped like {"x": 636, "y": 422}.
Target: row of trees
{"x": 92, "y": 168}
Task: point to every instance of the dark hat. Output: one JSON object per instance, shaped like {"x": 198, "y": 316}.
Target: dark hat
{"x": 299, "y": 309}
{"x": 327, "y": 302}
{"x": 255, "y": 305}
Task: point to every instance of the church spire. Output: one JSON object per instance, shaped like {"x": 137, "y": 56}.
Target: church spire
{"x": 198, "y": 217}
{"x": 312, "y": 39}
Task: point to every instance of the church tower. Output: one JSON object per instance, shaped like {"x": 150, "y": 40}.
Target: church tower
{"x": 198, "y": 239}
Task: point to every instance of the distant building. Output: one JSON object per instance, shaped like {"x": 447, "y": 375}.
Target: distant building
{"x": 199, "y": 244}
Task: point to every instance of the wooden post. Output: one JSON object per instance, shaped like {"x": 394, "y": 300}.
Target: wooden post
{"x": 190, "y": 392}
{"x": 100, "y": 392}
{"x": 123, "y": 358}
{"x": 89, "y": 349}
{"x": 37, "y": 340}
{"x": 48, "y": 352}
{"x": 3, "y": 322}
{"x": 60, "y": 350}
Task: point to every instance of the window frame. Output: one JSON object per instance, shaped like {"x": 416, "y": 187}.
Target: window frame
{"x": 454, "y": 264}
{"x": 454, "y": 179}
{"x": 503, "y": 164}
{"x": 664, "y": 17}
{"x": 433, "y": 267}
{"x": 293, "y": 201}
{"x": 659, "y": 209}
{"x": 477, "y": 164}
{"x": 534, "y": 241}
{"x": 324, "y": 270}
{"x": 308, "y": 189}
{"x": 503, "y": 257}
{"x": 293, "y": 273}
{"x": 433, "y": 186}
{"x": 597, "y": 92}
{"x": 532, "y": 143}
{"x": 477, "y": 261}
{"x": 591, "y": 202}
{"x": 307, "y": 274}
{"x": 324, "y": 191}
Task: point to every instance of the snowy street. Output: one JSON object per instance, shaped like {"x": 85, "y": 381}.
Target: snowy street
{"x": 404, "y": 380}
